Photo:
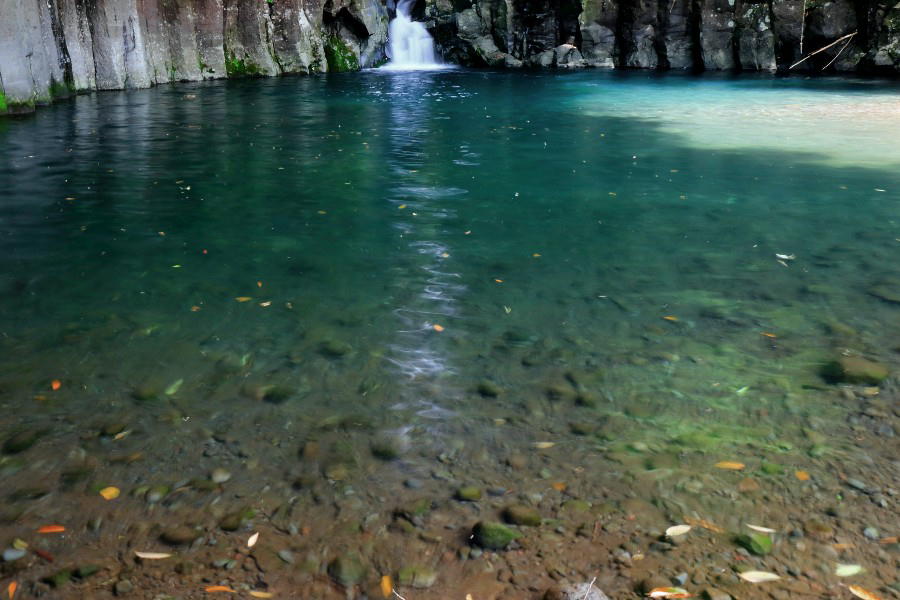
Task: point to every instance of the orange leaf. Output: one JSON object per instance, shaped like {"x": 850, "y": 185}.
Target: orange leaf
{"x": 559, "y": 486}
{"x": 243, "y": 298}
{"x": 499, "y": 280}
{"x": 219, "y": 588}
{"x": 888, "y": 540}
{"x": 195, "y": 308}
{"x": 862, "y": 593}
{"x": 801, "y": 475}
{"x": 259, "y": 284}
{"x": 55, "y": 384}
{"x": 437, "y": 327}
{"x": 257, "y": 594}
{"x": 670, "y": 318}
{"x": 704, "y": 524}
{"x": 387, "y": 586}
{"x": 110, "y": 493}
{"x": 11, "y": 589}
{"x": 729, "y": 465}
{"x": 51, "y": 529}
{"x": 769, "y": 335}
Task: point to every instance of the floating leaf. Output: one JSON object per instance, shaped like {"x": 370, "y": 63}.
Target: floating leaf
{"x": 862, "y": 593}
{"x": 173, "y": 389}
{"x": 51, "y": 529}
{"x": 243, "y": 298}
{"x": 152, "y": 555}
{"x": 842, "y": 570}
{"x": 11, "y": 589}
{"x": 257, "y": 594}
{"x": 544, "y": 445}
{"x": 758, "y": 576}
{"x": 110, "y": 493}
{"x": 55, "y": 384}
{"x": 437, "y": 327}
{"x": 669, "y": 592}
{"x": 801, "y": 475}
{"x": 674, "y": 319}
{"x": 676, "y": 530}
{"x": 769, "y": 335}
{"x": 218, "y": 588}
{"x": 253, "y": 539}
{"x": 387, "y": 586}
{"x": 729, "y": 465}
{"x": 266, "y": 304}
{"x": 759, "y": 528}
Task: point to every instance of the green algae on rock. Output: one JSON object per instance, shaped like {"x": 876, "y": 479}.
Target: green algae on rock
{"x": 855, "y": 369}
{"x": 493, "y": 536}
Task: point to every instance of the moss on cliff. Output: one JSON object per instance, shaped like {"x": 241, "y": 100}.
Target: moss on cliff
{"x": 2, "y": 103}
{"x": 238, "y": 67}
{"x": 339, "y": 55}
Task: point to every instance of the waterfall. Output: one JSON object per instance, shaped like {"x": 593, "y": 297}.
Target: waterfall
{"x": 411, "y": 47}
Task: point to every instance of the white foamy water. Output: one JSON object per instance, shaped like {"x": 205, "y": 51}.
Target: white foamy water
{"x": 411, "y": 46}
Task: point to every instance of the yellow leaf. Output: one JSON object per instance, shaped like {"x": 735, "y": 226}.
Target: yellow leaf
{"x": 387, "y": 586}
{"x": 729, "y": 465}
{"x": 801, "y": 475}
{"x": 437, "y": 327}
{"x": 536, "y": 255}
{"x": 218, "y": 588}
{"x": 544, "y": 445}
{"x": 758, "y": 576}
{"x": 152, "y": 555}
{"x": 110, "y": 493}
{"x": 243, "y": 298}
{"x": 670, "y": 318}
{"x": 402, "y": 206}
{"x": 862, "y": 593}
{"x": 256, "y": 594}
{"x": 676, "y": 530}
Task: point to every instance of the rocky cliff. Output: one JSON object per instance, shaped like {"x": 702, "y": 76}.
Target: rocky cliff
{"x": 53, "y": 48}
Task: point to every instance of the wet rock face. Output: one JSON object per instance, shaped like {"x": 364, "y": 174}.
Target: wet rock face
{"x": 49, "y": 50}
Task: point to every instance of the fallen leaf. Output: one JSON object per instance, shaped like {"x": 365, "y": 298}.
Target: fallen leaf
{"x": 387, "y": 586}
{"x": 499, "y": 280}
{"x": 729, "y": 465}
{"x": 888, "y": 540}
{"x": 45, "y": 555}
{"x": 195, "y": 308}
{"x": 445, "y": 255}
{"x": 862, "y": 593}
{"x": 11, "y": 589}
{"x": 506, "y": 309}
{"x": 704, "y": 524}
{"x": 437, "y": 327}
{"x": 559, "y": 486}
{"x": 266, "y": 304}
{"x": 51, "y": 529}
{"x": 402, "y": 206}
{"x": 840, "y": 547}
{"x": 676, "y": 530}
{"x": 257, "y": 594}
{"x": 243, "y": 298}
{"x": 55, "y": 384}
{"x": 253, "y": 539}
{"x": 152, "y": 555}
{"x": 671, "y": 318}
{"x": 218, "y": 588}
{"x": 759, "y": 528}
{"x": 110, "y": 493}
{"x": 259, "y": 284}
{"x": 19, "y": 544}
{"x": 769, "y": 335}
{"x": 536, "y": 255}
{"x": 801, "y": 475}
{"x": 758, "y": 576}
{"x": 544, "y": 445}
{"x": 842, "y": 570}
{"x": 668, "y": 592}
{"x": 122, "y": 435}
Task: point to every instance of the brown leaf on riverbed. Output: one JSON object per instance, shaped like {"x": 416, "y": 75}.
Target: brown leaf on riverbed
{"x": 729, "y": 465}
{"x": 218, "y": 588}
{"x": 11, "y": 589}
{"x": 863, "y": 593}
{"x": 704, "y": 524}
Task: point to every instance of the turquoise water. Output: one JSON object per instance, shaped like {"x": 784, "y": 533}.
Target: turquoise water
{"x": 419, "y": 276}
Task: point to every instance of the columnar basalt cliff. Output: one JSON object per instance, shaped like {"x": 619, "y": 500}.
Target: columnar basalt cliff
{"x": 53, "y": 48}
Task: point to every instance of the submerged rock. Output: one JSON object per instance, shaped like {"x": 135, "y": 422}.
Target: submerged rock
{"x": 21, "y": 441}
{"x": 855, "y": 369}
{"x": 347, "y": 569}
{"x": 493, "y": 536}
{"x": 519, "y": 514}
{"x": 417, "y": 577}
{"x": 179, "y": 535}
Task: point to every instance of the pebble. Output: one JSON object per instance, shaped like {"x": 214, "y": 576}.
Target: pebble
{"x": 413, "y": 484}
{"x": 11, "y": 554}
{"x": 220, "y": 475}
{"x": 712, "y": 593}
{"x": 287, "y": 556}
{"x": 871, "y": 533}
{"x": 123, "y": 587}
{"x": 858, "y": 485}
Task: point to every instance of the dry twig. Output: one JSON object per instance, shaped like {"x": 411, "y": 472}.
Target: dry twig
{"x": 822, "y": 49}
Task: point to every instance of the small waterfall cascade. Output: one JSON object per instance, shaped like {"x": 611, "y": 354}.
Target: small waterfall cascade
{"x": 411, "y": 46}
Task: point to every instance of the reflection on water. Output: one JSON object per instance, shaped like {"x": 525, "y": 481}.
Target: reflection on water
{"x": 365, "y": 296}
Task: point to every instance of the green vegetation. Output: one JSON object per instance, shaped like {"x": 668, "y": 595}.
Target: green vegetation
{"x": 238, "y": 67}
{"x": 339, "y": 55}
{"x": 3, "y": 104}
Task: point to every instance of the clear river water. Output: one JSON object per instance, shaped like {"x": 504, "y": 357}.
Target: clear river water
{"x": 360, "y": 313}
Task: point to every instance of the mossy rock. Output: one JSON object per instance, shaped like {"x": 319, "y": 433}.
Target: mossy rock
{"x": 347, "y": 570}
{"x": 179, "y": 535}
{"x": 757, "y": 543}
{"x": 493, "y": 536}
{"x": 489, "y": 389}
{"x": 339, "y": 56}
{"x": 469, "y": 493}
{"x": 854, "y": 369}
{"x": 519, "y": 514}
{"x": 237, "y": 519}
{"x": 417, "y": 577}
{"x": 21, "y": 441}
{"x": 770, "y": 468}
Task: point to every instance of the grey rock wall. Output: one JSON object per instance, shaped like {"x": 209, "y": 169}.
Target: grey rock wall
{"x": 53, "y": 48}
